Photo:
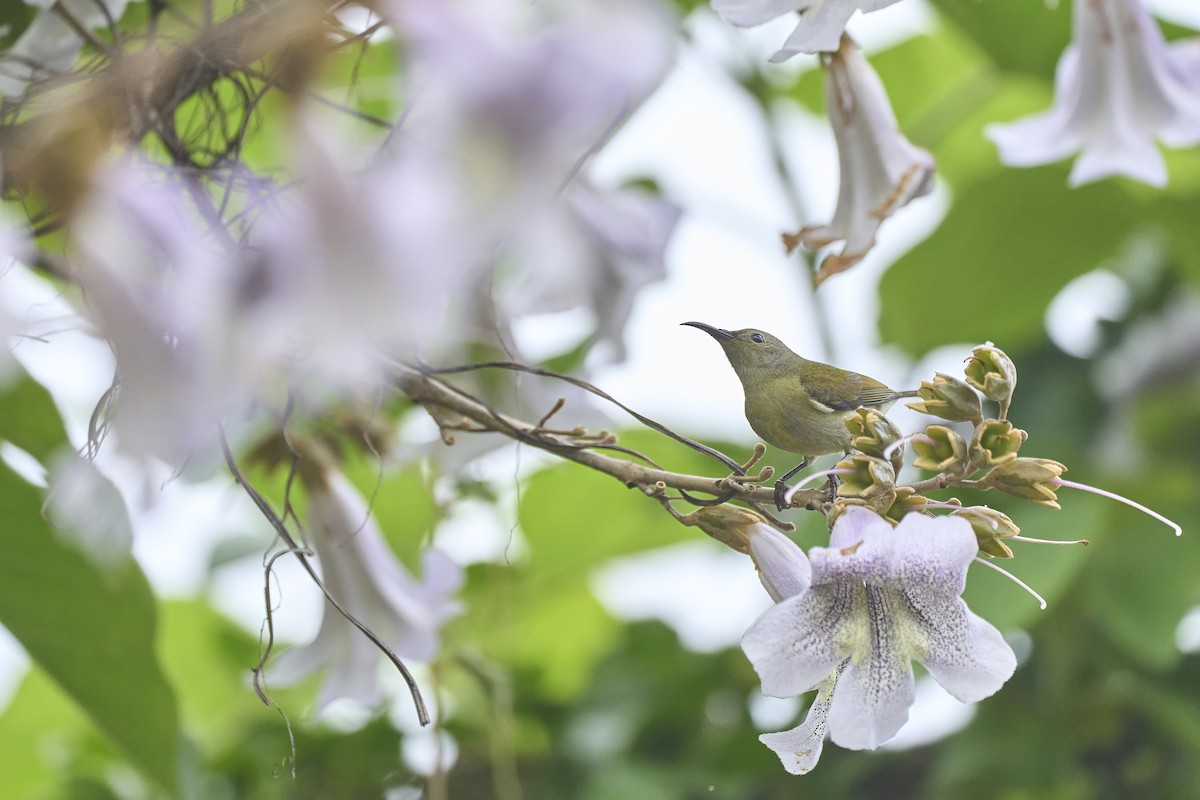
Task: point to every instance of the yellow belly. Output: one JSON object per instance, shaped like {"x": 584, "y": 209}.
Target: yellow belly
{"x": 776, "y": 417}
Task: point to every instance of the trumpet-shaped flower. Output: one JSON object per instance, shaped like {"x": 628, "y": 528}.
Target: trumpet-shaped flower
{"x": 819, "y": 29}
{"x": 1118, "y": 88}
{"x": 363, "y": 574}
{"x": 880, "y": 598}
{"x": 881, "y": 171}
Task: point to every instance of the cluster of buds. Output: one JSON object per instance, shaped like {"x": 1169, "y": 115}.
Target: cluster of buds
{"x": 887, "y": 588}
{"x": 986, "y": 457}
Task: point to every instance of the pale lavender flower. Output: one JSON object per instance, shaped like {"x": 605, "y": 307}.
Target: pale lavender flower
{"x": 783, "y": 568}
{"x": 880, "y": 170}
{"x": 516, "y": 107}
{"x": 819, "y": 29}
{"x": 12, "y": 248}
{"x": 1118, "y": 88}
{"x": 880, "y": 598}
{"x": 513, "y": 111}
{"x": 363, "y": 574}
{"x": 172, "y": 304}
{"x": 595, "y": 249}
{"x": 369, "y": 261}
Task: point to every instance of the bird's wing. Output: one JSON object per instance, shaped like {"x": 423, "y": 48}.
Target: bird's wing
{"x": 841, "y": 390}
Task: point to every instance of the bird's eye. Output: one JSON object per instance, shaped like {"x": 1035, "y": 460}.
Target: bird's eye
{"x": 757, "y": 338}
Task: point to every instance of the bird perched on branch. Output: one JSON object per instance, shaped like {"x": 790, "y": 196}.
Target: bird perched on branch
{"x": 795, "y": 404}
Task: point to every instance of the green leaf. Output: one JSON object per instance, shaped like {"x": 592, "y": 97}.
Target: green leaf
{"x": 1008, "y": 245}
{"x": 30, "y": 419}
{"x": 574, "y": 521}
{"x": 40, "y": 713}
{"x": 1018, "y": 35}
{"x": 91, "y": 630}
{"x": 918, "y": 74}
{"x": 14, "y": 19}
{"x": 1050, "y": 570}
{"x": 1143, "y": 579}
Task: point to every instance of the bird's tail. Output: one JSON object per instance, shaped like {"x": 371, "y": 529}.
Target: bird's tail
{"x": 909, "y": 393}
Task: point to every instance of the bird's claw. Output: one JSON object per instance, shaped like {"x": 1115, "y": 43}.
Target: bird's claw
{"x": 781, "y": 499}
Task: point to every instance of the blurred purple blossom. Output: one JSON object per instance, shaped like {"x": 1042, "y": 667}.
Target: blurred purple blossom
{"x": 880, "y": 170}
{"x": 1118, "y": 88}
{"x": 361, "y": 571}
{"x": 479, "y": 192}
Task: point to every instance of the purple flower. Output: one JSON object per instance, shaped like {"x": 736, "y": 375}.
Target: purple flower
{"x": 1119, "y": 87}
{"x": 366, "y": 578}
{"x": 880, "y": 598}
{"x": 881, "y": 171}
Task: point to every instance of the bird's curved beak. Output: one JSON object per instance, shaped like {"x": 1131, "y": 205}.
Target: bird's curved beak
{"x": 716, "y": 333}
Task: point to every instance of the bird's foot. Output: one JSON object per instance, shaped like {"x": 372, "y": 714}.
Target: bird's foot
{"x": 781, "y": 500}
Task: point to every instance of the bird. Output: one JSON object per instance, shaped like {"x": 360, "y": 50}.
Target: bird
{"x": 795, "y": 404}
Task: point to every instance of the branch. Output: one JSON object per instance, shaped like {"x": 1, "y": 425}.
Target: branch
{"x": 434, "y": 393}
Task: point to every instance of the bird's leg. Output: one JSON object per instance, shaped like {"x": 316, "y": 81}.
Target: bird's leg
{"x": 833, "y": 480}
{"x": 781, "y": 485}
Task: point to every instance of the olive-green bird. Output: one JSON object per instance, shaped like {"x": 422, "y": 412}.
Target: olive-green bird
{"x": 795, "y": 404}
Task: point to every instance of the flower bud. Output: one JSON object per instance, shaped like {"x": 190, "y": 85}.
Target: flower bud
{"x": 782, "y": 566}
{"x": 942, "y": 450}
{"x": 907, "y": 501}
{"x": 992, "y": 372}
{"x": 995, "y": 442}
{"x": 728, "y": 524}
{"x": 991, "y": 527}
{"x": 1027, "y": 478}
{"x": 871, "y": 432}
{"x": 948, "y": 398}
{"x": 871, "y": 480}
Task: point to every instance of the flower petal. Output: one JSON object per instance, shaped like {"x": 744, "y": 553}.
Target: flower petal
{"x": 748, "y": 13}
{"x": 782, "y": 566}
{"x": 877, "y": 687}
{"x": 1119, "y": 87}
{"x": 967, "y": 655}
{"x": 800, "y": 748}
{"x": 819, "y": 30}
{"x": 920, "y": 552}
{"x": 796, "y": 644}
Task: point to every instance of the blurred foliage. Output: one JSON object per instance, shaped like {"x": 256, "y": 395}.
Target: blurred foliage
{"x": 552, "y": 696}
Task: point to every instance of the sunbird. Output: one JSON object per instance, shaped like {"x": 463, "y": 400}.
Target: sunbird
{"x": 795, "y": 404}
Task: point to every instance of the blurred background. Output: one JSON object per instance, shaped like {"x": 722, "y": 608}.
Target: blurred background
{"x": 597, "y": 656}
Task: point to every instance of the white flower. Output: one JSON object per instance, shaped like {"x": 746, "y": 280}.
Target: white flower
{"x": 782, "y": 566}
{"x": 880, "y": 598}
{"x": 881, "y": 170}
{"x": 362, "y": 573}
{"x": 821, "y": 21}
{"x": 1119, "y": 86}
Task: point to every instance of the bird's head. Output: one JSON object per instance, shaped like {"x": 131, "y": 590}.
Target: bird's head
{"x": 748, "y": 349}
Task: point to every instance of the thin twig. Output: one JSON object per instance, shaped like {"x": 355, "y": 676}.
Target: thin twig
{"x": 295, "y": 549}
